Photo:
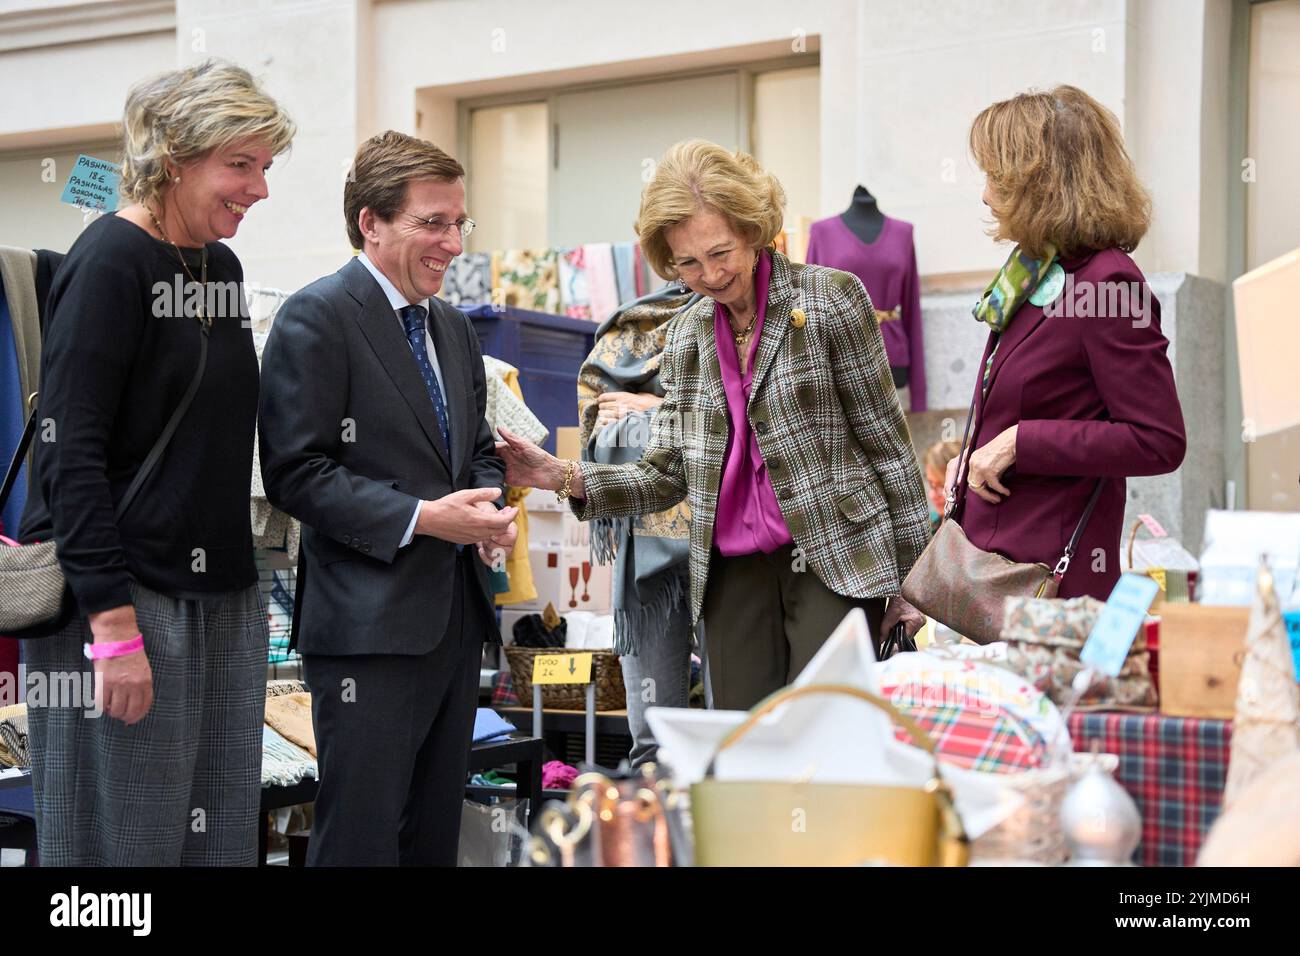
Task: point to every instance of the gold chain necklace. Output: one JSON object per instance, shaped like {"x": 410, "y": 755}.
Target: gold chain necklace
{"x": 204, "y": 320}
{"x": 742, "y": 336}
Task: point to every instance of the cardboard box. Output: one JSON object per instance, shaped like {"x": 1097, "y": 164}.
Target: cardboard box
{"x": 1201, "y": 648}
{"x": 566, "y": 443}
{"x": 566, "y": 577}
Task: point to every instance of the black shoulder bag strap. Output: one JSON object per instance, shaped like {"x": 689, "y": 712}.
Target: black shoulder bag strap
{"x": 959, "y": 482}
{"x": 151, "y": 460}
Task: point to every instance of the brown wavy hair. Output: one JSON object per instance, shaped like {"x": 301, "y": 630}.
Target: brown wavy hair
{"x": 1059, "y": 174}
{"x": 696, "y": 174}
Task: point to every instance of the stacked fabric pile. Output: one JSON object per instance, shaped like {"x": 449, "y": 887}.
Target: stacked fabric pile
{"x": 288, "y": 741}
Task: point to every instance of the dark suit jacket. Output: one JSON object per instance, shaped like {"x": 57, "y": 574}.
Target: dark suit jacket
{"x": 349, "y": 445}
{"x": 1093, "y": 393}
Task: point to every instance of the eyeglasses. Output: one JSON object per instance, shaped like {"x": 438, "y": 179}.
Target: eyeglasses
{"x": 441, "y": 227}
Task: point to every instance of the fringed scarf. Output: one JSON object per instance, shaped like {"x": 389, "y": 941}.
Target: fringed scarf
{"x": 650, "y": 553}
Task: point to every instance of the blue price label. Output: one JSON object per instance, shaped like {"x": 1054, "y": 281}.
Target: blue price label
{"x": 93, "y": 184}
{"x": 1117, "y": 625}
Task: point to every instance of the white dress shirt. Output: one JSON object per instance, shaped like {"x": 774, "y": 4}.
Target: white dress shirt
{"x": 399, "y": 302}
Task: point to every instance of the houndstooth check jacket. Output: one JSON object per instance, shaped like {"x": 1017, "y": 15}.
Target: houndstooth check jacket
{"x": 829, "y": 427}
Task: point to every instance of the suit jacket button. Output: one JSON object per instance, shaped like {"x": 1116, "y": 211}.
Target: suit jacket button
{"x": 774, "y": 464}
{"x": 760, "y": 427}
{"x": 784, "y": 494}
{"x": 347, "y": 539}
{"x": 366, "y": 547}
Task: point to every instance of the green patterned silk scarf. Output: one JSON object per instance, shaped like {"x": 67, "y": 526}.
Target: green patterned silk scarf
{"x": 1015, "y": 282}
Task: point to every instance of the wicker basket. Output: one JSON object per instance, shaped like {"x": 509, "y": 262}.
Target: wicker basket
{"x": 606, "y": 674}
{"x": 1033, "y": 834}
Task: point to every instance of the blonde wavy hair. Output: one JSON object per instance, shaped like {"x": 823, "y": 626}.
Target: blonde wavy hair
{"x": 1059, "y": 174}
{"x": 695, "y": 175}
{"x": 182, "y": 115}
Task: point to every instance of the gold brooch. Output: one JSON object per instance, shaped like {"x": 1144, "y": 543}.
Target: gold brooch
{"x": 797, "y": 318}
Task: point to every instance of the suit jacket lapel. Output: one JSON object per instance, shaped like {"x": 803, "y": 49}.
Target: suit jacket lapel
{"x": 380, "y": 325}
{"x": 1023, "y": 323}
{"x": 455, "y": 379}
{"x": 776, "y": 320}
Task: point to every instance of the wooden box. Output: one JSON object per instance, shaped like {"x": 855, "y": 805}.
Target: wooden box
{"x": 1201, "y": 649}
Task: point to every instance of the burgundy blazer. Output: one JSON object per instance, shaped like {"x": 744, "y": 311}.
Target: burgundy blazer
{"x": 1093, "y": 393}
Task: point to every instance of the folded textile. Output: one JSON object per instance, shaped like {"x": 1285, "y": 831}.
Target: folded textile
{"x": 468, "y": 280}
{"x": 575, "y": 297}
{"x": 602, "y": 286}
{"x": 526, "y": 279}
{"x": 625, "y": 271}
{"x": 290, "y": 714}
{"x": 557, "y": 775}
{"x": 278, "y": 688}
{"x": 284, "y": 763}
{"x": 489, "y": 725}
{"x": 506, "y": 408}
{"x": 503, "y": 690}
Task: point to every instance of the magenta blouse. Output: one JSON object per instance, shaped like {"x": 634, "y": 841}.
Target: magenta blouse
{"x": 748, "y": 517}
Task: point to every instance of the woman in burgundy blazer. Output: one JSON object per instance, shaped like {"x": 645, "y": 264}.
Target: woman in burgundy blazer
{"x": 1080, "y": 388}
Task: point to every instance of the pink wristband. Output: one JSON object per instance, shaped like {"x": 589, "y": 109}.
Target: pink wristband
{"x": 96, "y": 652}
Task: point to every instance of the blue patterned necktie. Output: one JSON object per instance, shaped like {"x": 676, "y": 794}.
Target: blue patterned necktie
{"x": 413, "y": 321}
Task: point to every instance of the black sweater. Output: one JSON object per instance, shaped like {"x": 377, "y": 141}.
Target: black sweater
{"x": 117, "y": 359}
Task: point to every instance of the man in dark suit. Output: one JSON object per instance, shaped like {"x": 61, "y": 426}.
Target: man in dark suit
{"x": 372, "y": 434}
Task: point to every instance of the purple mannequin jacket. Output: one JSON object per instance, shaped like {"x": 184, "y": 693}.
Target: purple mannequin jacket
{"x": 1091, "y": 387}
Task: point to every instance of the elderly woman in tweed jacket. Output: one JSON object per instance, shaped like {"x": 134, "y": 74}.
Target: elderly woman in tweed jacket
{"x": 780, "y": 427}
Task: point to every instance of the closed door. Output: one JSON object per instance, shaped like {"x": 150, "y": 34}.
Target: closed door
{"x": 606, "y": 142}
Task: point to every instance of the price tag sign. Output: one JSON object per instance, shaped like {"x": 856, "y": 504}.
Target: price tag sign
{"x": 93, "y": 184}
{"x": 562, "y": 669}
{"x": 1117, "y": 625}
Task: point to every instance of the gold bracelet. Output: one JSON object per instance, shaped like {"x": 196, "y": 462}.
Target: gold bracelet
{"x": 563, "y": 494}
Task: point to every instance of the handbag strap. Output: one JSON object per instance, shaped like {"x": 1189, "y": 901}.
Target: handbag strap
{"x": 151, "y": 460}
{"x": 959, "y": 489}
{"x": 159, "y": 446}
{"x": 1063, "y": 565}
{"x": 11, "y": 473}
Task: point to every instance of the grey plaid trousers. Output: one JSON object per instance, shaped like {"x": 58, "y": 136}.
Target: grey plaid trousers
{"x": 183, "y": 785}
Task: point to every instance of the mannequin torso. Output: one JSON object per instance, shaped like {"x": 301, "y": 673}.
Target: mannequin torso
{"x": 863, "y": 217}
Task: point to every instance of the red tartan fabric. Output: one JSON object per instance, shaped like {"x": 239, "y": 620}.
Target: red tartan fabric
{"x": 1175, "y": 769}
{"x": 503, "y": 690}
{"x": 976, "y": 741}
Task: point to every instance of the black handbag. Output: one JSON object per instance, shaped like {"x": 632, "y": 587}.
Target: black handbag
{"x": 897, "y": 641}
{"x": 34, "y": 605}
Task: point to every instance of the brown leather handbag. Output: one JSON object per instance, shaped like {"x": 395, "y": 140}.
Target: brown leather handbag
{"x": 963, "y": 587}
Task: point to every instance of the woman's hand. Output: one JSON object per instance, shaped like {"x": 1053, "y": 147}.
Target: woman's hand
{"x": 899, "y": 610}
{"x": 987, "y": 465}
{"x": 528, "y": 465}
{"x": 126, "y": 682}
{"x": 616, "y": 405}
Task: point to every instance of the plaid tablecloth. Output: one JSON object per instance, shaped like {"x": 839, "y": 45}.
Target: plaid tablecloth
{"x": 1174, "y": 767}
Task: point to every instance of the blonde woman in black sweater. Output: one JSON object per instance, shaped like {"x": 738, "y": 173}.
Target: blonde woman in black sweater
{"x": 164, "y": 769}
